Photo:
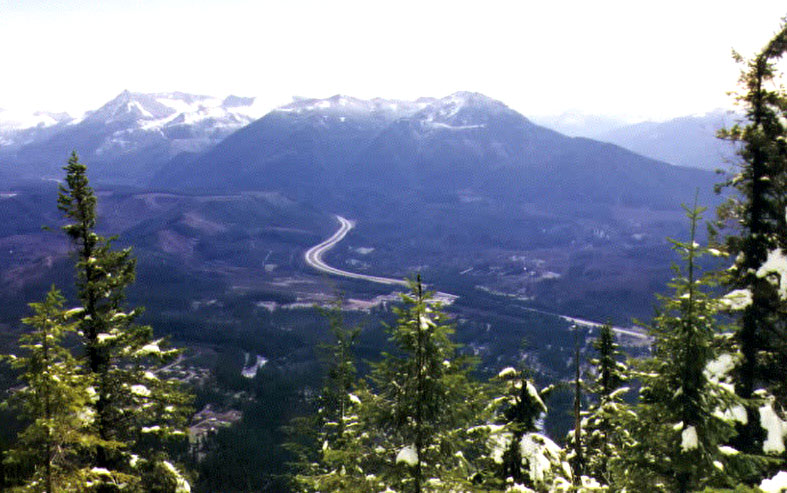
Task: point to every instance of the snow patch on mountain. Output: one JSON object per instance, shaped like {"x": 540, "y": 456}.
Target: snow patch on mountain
{"x": 347, "y": 106}
{"x": 21, "y": 127}
{"x": 458, "y": 112}
{"x": 21, "y": 120}
{"x": 174, "y": 121}
{"x": 156, "y": 111}
{"x": 446, "y": 126}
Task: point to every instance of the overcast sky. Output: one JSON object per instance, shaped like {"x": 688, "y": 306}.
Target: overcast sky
{"x": 635, "y": 59}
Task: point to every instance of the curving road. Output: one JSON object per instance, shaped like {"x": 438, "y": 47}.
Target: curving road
{"x": 314, "y": 255}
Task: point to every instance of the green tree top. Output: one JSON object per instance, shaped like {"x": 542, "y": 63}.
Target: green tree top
{"x": 54, "y": 400}
{"x": 426, "y": 399}
{"x": 685, "y": 413}
{"x": 138, "y": 407}
{"x": 758, "y": 241}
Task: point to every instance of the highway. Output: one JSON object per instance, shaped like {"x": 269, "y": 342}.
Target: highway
{"x": 314, "y": 255}
{"x": 626, "y": 331}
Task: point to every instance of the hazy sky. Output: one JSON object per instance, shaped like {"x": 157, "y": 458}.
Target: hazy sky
{"x": 637, "y": 59}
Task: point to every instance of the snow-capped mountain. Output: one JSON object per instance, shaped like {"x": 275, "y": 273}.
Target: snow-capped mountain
{"x": 461, "y": 111}
{"x": 344, "y": 106}
{"x": 18, "y": 128}
{"x": 159, "y": 110}
{"x": 462, "y": 145}
{"x": 190, "y": 123}
{"x": 323, "y": 137}
{"x": 128, "y": 136}
{"x": 17, "y": 120}
{"x": 458, "y": 109}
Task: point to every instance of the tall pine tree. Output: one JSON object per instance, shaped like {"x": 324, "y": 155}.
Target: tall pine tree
{"x": 321, "y": 442}
{"x": 577, "y": 458}
{"x": 137, "y": 408}
{"x": 604, "y": 434}
{"x": 520, "y": 457}
{"x": 682, "y": 425}
{"x": 759, "y": 243}
{"x": 425, "y": 399}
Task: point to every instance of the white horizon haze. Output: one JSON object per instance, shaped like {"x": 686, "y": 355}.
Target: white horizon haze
{"x": 627, "y": 60}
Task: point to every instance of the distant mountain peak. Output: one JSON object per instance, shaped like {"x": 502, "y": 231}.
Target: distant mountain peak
{"x": 20, "y": 120}
{"x": 464, "y": 111}
{"x": 343, "y": 106}
{"x": 133, "y": 128}
{"x": 467, "y": 98}
{"x": 461, "y": 108}
{"x": 233, "y": 101}
{"x": 128, "y": 107}
{"x": 152, "y": 111}
{"x": 685, "y": 141}
{"x": 337, "y": 101}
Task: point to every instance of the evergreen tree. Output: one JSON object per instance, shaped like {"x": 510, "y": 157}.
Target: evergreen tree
{"x": 357, "y": 461}
{"x": 319, "y": 441}
{"x": 604, "y": 436}
{"x": 519, "y": 456}
{"x": 577, "y": 458}
{"x": 137, "y": 408}
{"x": 53, "y": 399}
{"x": 425, "y": 399}
{"x": 682, "y": 424}
{"x": 336, "y": 396}
{"x": 409, "y": 432}
{"x": 759, "y": 244}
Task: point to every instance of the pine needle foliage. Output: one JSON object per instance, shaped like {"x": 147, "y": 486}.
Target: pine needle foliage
{"x": 425, "y": 400}
{"x": 605, "y": 436}
{"x": 321, "y": 442}
{"x": 682, "y": 419}
{"x": 137, "y": 408}
{"x": 758, "y": 240}
{"x": 53, "y": 400}
{"x": 519, "y": 457}
{"x": 341, "y": 376}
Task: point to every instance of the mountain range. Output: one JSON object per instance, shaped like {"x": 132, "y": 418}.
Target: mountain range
{"x": 689, "y": 141}
{"x": 461, "y": 188}
{"x": 137, "y": 135}
{"x": 464, "y": 145}
{"x": 125, "y": 139}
